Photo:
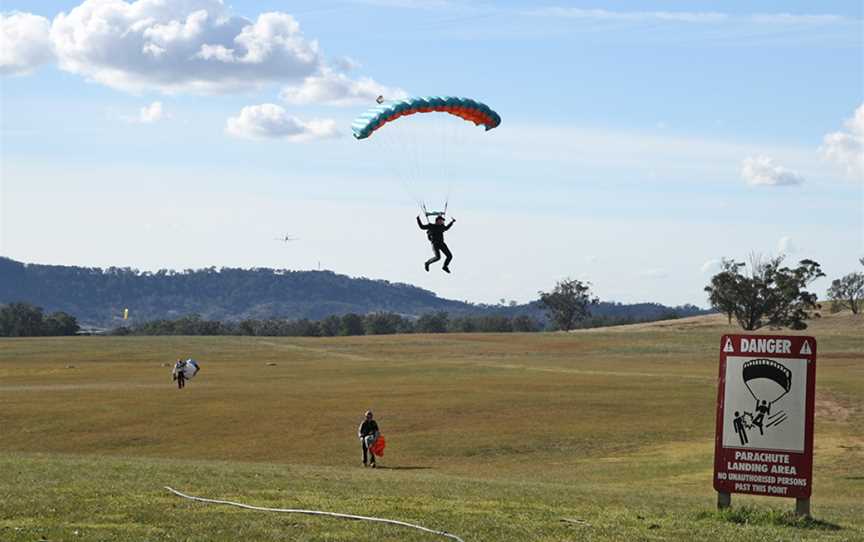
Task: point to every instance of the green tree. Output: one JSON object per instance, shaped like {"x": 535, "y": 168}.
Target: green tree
{"x": 847, "y": 292}
{"x": 382, "y": 323}
{"x": 330, "y": 326}
{"x": 524, "y": 323}
{"x": 462, "y": 324}
{"x": 20, "y": 320}
{"x": 60, "y": 323}
{"x": 568, "y": 303}
{"x": 432, "y": 322}
{"x": 766, "y": 294}
{"x": 352, "y": 324}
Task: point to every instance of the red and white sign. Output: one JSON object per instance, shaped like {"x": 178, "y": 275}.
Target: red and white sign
{"x": 765, "y": 400}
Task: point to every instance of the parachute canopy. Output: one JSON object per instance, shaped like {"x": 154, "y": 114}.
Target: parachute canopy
{"x": 378, "y": 446}
{"x": 466, "y": 108}
{"x": 767, "y": 379}
{"x": 189, "y": 368}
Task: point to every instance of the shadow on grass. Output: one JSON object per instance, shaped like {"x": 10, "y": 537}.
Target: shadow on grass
{"x": 749, "y": 515}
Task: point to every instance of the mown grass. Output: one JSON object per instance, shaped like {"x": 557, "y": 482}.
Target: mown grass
{"x": 751, "y": 515}
{"x": 492, "y": 437}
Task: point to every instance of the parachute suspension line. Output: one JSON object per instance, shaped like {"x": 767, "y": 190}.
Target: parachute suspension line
{"x": 390, "y": 145}
{"x": 318, "y": 513}
{"x": 781, "y": 396}
{"x": 747, "y": 385}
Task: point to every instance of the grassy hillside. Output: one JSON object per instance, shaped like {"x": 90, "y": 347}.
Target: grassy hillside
{"x": 492, "y": 437}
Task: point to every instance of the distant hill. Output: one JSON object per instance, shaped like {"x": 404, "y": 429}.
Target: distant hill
{"x": 97, "y": 296}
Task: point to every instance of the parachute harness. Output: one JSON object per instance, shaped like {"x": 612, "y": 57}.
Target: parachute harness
{"x": 317, "y": 513}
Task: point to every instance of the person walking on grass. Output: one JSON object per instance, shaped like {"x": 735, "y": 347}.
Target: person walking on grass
{"x": 179, "y": 374}
{"x": 368, "y": 433}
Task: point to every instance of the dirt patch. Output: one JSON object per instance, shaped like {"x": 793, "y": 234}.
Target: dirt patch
{"x": 827, "y": 408}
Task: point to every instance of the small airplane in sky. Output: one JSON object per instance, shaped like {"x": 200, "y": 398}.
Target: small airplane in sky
{"x": 287, "y": 238}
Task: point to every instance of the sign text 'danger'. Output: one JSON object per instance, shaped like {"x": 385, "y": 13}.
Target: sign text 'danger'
{"x": 766, "y": 346}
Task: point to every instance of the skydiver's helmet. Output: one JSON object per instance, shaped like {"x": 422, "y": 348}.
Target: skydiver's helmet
{"x": 439, "y": 219}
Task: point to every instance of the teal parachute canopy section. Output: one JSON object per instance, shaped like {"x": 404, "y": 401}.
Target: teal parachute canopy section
{"x": 465, "y": 108}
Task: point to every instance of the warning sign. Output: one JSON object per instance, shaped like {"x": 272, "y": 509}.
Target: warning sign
{"x": 765, "y": 400}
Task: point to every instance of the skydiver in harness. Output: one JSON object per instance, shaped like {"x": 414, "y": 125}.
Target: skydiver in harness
{"x": 435, "y": 233}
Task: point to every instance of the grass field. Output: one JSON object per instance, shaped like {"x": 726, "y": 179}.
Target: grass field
{"x": 492, "y": 437}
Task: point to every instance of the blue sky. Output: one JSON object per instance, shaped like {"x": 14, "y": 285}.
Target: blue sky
{"x": 641, "y": 141}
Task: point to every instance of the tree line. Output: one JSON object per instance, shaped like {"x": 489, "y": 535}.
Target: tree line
{"x": 98, "y": 297}
{"x": 351, "y": 324}
{"x": 25, "y": 320}
{"x": 760, "y": 293}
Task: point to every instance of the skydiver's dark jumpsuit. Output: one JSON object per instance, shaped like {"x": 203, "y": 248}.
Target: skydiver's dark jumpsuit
{"x": 368, "y": 427}
{"x": 180, "y": 374}
{"x": 435, "y": 232}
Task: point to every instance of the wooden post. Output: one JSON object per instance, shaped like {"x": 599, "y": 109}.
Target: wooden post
{"x": 724, "y": 500}
{"x": 802, "y": 507}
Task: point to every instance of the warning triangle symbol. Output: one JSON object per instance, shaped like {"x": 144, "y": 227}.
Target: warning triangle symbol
{"x": 805, "y": 349}
{"x": 728, "y": 347}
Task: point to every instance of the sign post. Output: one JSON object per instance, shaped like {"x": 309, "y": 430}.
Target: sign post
{"x": 763, "y": 443}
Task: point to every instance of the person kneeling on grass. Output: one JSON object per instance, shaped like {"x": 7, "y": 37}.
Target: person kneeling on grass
{"x": 368, "y": 433}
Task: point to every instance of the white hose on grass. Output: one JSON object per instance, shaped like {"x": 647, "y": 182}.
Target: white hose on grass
{"x": 317, "y": 513}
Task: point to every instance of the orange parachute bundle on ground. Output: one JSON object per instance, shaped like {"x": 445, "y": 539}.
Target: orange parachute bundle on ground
{"x": 378, "y": 446}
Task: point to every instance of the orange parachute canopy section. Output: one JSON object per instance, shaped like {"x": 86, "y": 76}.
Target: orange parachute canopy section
{"x": 378, "y": 446}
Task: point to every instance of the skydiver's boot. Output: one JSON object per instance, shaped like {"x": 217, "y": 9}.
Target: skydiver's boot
{"x": 426, "y": 265}
{"x": 446, "y": 269}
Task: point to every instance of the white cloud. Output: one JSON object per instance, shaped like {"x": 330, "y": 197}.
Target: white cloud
{"x": 24, "y": 42}
{"x": 711, "y": 266}
{"x": 270, "y": 121}
{"x": 763, "y": 171}
{"x": 346, "y": 63}
{"x": 786, "y": 246}
{"x": 332, "y": 88}
{"x": 151, "y": 113}
{"x": 148, "y": 114}
{"x": 846, "y": 148}
{"x": 181, "y": 46}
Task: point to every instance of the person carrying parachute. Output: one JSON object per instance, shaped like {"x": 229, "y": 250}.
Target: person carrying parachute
{"x": 371, "y": 440}
{"x": 435, "y": 233}
{"x": 184, "y": 370}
